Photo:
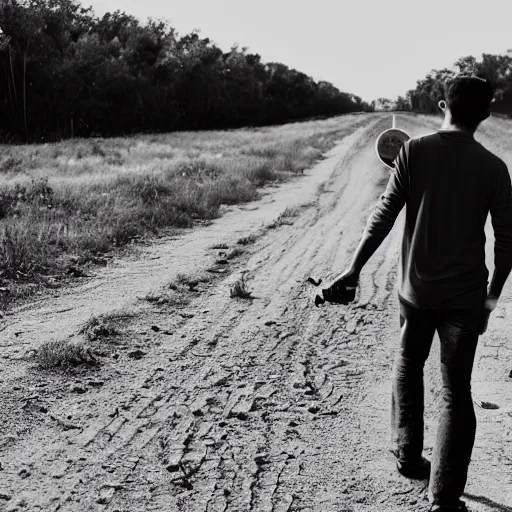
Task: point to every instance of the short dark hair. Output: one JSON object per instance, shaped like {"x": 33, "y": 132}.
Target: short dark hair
{"x": 469, "y": 99}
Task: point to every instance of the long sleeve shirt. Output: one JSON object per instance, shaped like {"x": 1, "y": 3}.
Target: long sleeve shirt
{"x": 449, "y": 183}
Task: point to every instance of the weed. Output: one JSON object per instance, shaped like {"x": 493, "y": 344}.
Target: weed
{"x": 240, "y": 290}
{"x": 247, "y": 240}
{"x": 104, "y": 326}
{"x": 63, "y": 354}
{"x": 11, "y": 164}
{"x": 290, "y": 212}
{"x": 234, "y": 253}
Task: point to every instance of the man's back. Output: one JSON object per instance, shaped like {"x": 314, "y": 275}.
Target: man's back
{"x": 449, "y": 183}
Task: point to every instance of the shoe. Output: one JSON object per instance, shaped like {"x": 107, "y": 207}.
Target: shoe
{"x": 461, "y": 507}
{"x": 415, "y": 470}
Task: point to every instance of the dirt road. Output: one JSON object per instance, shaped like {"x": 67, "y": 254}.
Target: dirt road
{"x": 222, "y": 404}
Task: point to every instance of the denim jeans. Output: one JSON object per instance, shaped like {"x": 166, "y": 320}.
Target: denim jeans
{"x": 458, "y": 331}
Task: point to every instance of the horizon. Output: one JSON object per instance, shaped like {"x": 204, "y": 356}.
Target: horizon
{"x": 366, "y": 65}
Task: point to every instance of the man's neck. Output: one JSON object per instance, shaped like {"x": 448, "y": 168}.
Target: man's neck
{"x": 450, "y": 127}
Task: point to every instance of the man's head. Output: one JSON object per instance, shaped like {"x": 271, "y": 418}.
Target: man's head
{"x": 468, "y": 101}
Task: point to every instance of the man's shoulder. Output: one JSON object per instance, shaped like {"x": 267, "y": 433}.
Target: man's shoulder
{"x": 493, "y": 160}
{"x": 423, "y": 140}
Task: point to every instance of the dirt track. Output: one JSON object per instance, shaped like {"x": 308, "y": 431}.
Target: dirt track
{"x": 243, "y": 405}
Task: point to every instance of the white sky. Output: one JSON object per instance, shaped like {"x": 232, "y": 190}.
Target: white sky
{"x": 372, "y": 48}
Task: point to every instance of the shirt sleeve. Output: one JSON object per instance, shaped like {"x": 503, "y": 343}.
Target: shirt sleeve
{"x": 392, "y": 200}
{"x": 501, "y": 216}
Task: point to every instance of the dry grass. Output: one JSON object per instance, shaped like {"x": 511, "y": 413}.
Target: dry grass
{"x": 83, "y": 198}
{"x": 247, "y": 240}
{"x": 63, "y": 354}
{"x": 105, "y": 326}
{"x": 285, "y": 217}
{"x": 240, "y": 290}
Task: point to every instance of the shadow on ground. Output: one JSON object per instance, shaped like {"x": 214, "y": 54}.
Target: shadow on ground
{"x": 488, "y": 503}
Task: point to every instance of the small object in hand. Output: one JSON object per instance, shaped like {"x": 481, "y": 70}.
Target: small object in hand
{"x": 336, "y": 296}
{"x": 314, "y": 282}
{"x": 319, "y": 301}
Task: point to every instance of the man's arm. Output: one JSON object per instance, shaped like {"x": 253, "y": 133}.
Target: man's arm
{"x": 380, "y": 222}
{"x": 385, "y": 213}
{"x": 501, "y": 215}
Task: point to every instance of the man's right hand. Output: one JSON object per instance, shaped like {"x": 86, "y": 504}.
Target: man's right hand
{"x": 489, "y": 306}
{"x": 342, "y": 289}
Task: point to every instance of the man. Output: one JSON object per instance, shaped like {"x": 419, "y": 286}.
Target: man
{"x": 449, "y": 183}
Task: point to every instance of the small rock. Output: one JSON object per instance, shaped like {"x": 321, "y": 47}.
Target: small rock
{"x": 137, "y": 354}
{"x": 270, "y": 322}
{"x": 155, "y": 328}
{"x": 260, "y": 458}
{"x": 115, "y": 355}
{"x": 510, "y": 375}
{"x": 77, "y": 388}
{"x": 173, "y": 467}
{"x": 5, "y": 497}
{"x": 96, "y": 383}
{"x": 293, "y": 423}
{"x": 106, "y": 494}
{"x": 313, "y": 409}
{"x": 351, "y": 326}
{"x": 76, "y": 272}
{"x": 24, "y": 473}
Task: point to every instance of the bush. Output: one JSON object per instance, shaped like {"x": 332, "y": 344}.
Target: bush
{"x": 63, "y": 354}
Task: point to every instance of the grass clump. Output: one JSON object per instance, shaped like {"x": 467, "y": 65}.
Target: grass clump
{"x": 285, "y": 217}
{"x": 63, "y": 354}
{"x": 234, "y": 253}
{"x": 104, "y": 326}
{"x": 240, "y": 290}
{"x": 247, "y": 240}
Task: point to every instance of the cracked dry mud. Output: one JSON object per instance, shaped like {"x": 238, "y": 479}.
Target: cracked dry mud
{"x": 265, "y": 405}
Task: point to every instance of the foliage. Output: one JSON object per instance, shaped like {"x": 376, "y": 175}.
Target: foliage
{"x": 497, "y": 69}
{"x": 69, "y": 73}
{"x": 239, "y": 289}
{"x": 67, "y": 204}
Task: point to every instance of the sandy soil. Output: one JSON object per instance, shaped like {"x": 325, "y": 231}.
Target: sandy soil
{"x": 268, "y": 404}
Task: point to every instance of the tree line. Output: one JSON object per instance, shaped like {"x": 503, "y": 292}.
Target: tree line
{"x": 66, "y": 72}
{"x": 497, "y": 69}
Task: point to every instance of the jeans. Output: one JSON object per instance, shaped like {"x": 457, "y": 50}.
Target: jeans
{"x": 458, "y": 331}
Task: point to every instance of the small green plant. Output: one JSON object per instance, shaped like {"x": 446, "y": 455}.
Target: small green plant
{"x": 175, "y": 297}
{"x": 234, "y": 253}
{"x": 290, "y": 212}
{"x": 240, "y": 290}
{"x": 247, "y": 240}
{"x": 63, "y": 354}
{"x": 97, "y": 150}
{"x": 284, "y": 218}
{"x": 104, "y": 326}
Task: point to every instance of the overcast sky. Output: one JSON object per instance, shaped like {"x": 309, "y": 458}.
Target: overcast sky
{"x": 373, "y": 48}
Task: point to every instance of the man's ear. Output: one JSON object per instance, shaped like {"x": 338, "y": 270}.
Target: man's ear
{"x": 442, "y": 105}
